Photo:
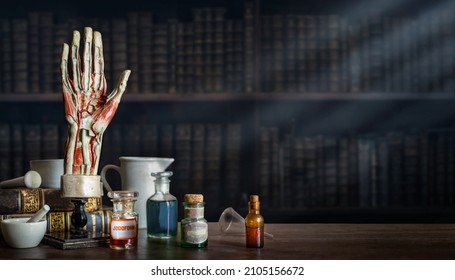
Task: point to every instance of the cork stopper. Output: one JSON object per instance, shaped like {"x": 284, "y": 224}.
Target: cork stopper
{"x": 194, "y": 198}
{"x": 254, "y": 198}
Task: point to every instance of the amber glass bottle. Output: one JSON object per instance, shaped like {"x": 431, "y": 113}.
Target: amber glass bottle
{"x": 254, "y": 224}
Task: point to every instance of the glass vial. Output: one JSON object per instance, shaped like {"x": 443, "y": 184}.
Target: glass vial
{"x": 162, "y": 208}
{"x": 254, "y": 224}
{"x": 124, "y": 221}
{"x": 194, "y": 228}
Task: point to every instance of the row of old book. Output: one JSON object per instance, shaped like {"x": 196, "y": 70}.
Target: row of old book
{"x": 22, "y": 202}
{"x": 212, "y": 53}
{"x": 396, "y": 169}
{"x": 207, "y": 155}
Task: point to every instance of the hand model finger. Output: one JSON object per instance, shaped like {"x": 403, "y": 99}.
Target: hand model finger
{"x": 98, "y": 61}
{"x": 75, "y": 60}
{"x": 117, "y": 93}
{"x": 87, "y": 75}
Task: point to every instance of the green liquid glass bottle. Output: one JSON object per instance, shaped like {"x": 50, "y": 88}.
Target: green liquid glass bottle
{"x": 162, "y": 208}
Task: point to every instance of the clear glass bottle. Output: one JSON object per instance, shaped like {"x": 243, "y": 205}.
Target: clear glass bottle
{"x": 194, "y": 227}
{"x": 254, "y": 224}
{"x": 124, "y": 221}
{"x": 162, "y": 208}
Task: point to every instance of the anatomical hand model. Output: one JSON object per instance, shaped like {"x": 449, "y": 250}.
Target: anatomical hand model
{"x": 88, "y": 110}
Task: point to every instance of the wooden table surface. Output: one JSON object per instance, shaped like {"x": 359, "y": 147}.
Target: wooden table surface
{"x": 291, "y": 241}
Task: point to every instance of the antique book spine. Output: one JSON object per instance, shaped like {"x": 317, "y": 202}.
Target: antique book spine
{"x": 323, "y": 65}
{"x": 229, "y": 59}
{"x": 395, "y": 157}
{"x": 353, "y": 199}
{"x": 160, "y": 59}
{"x": 46, "y": 40}
{"x": 345, "y": 58}
{"x": 343, "y": 171}
{"x": 213, "y": 162}
{"x": 383, "y": 172}
{"x": 300, "y": 197}
{"x": 249, "y": 46}
{"x": 60, "y": 221}
{"x": 180, "y": 58}
{"x": 330, "y": 162}
{"x": 34, "y": 51}
{"x": 234, "y": 56}
{"x": 290, "y": 54}
{"x": 133, "y": 51}
{"x": 274, "y": 189}
{"x": 447, "y": 41}
{"x": 146, "y": 49}
{"x": 286, "y": 169}
{"x": 374, "y": 171}
{"x": 23, "y": 200}
{"x": 423, "y": 168}
{"x": 266, "y": 54}
{"x": 106, "y": 33}
{"x": 20, "y": 49}
{"x": 264, "y": 163}
{"x": 301, "y": 46}
{"x": 17, "y": 151}
{"x": 311, "y": 53}
{"x": 396, "y": 60}
{"x": 119, "y": 48}
{"x": 149, "y": 140}
{"x": 61, "y": 36}
{"x": 309, "y": 183}
{"x": 278, "y": 54}
{"x": 375, "y": 42}
{"x": 32, "y": 142}
{"x": 50, "y": 144}
{"x": 239, "y": 82}
{"x": 132, "y": 135}
{"x": 198, "y": 51}
{"x": 219, "y": 54}
{"x": 208, "y": 49}
{"x": 355, "y": 47}
{"x": 441, "y": 164}
{"x": 182, "y": 165}
{"x": 5, "y": 152}
{"x": 233, "y": 165}
{"x": 166, "y": 140}
{"x": 388, "y": 54}
{"x": 6, "y": 56}
{"x": 450, "y": 166}
{"x": 172, "y": 54}
{"x": 334, "y": 53}
{"x": 411, "y": 170}
{"x": 408, "y": 44}
{"x": 198, "y": 151}
{"x": 364, "y": 168}
{"x": 189, "y": 59}
{"x": 434, "y": 44}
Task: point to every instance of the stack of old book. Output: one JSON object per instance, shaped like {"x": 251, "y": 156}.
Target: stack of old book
{"x": 24, "y": 202}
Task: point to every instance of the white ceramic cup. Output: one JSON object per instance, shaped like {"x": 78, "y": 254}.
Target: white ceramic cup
{"x": 51, "y": 171}
{"x": 135, "y": 175}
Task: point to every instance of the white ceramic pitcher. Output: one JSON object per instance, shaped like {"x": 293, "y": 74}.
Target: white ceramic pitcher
{"x": 135, "y": 176}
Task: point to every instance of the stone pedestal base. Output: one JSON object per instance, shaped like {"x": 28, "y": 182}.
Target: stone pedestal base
{"x": 81, "y": 186}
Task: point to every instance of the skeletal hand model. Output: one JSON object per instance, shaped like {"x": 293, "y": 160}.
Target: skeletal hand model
{"x": 88, "y": 110}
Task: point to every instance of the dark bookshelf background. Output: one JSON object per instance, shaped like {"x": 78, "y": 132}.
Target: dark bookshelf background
{"x": 298, "y": 101}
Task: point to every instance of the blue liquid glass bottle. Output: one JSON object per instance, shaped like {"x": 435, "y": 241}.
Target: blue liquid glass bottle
{"x": 162, "y": 208}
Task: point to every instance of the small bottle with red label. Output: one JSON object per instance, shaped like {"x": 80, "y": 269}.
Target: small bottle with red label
{"x": 124, "y": 221}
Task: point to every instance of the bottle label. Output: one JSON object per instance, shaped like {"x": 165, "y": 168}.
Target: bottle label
{"x": 123, "y": 228}
{"x": 195, "y": 232}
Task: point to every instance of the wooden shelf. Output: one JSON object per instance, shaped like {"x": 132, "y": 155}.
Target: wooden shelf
{"x": 222, "y": 97}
